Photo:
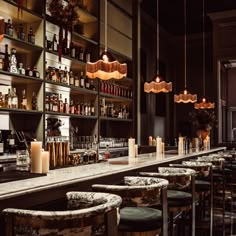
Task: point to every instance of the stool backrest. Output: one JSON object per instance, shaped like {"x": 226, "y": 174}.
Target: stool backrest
{"x": 178, "y": 178}
{"x": 89, "y": 216}
{"x": 136, "y": 191}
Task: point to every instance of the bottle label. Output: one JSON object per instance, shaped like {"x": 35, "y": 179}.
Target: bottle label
{"x": 11, "y": 141}
{"x": 24, "y": 102}
{"x": 14, "y": 101}
{"x": 30, "y": 73}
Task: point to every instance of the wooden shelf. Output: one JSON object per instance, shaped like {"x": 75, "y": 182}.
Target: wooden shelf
{"x": 52, "y": 113}
{"x": 115, "y": 98}
{"x": 20, "y": 111}
{"x": 11, "y": 8}
{"x": 22, "y": 45}
{"x": 81, "y": 36}
{"x": 70, "y": 88}
{"x": 8, "y": 77}
{"x": 86, "y": 17}
{"x": 114, "y": 119}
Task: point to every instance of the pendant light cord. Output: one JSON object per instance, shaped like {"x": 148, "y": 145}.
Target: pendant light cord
{"x": 158, "y": 33}
{"x": 185, "y": 39}
{"x": 105, "y": 28}
{"x": 203, "y": 45}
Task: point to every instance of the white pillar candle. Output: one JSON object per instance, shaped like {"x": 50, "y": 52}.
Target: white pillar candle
{"x": 36, "y": 157}
{"x": 158, "y": 145}
{"x": 181, "y": 145}
{"x": 135, "y": 150}
{"x": 131, "y": 145}
{"x": 45, "y": 162}
{"x": 163, "y": 147}
{"x": 150, "y": 140}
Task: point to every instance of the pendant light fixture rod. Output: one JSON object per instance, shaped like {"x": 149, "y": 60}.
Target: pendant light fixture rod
{"x": 203, "y": 44}
{"x": 105, "y": 23}
{"x": 158, "y": 33}
{"x": 185, "y": 42}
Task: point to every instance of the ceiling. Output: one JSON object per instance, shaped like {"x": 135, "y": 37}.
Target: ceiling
{"x": 171, "y": 15}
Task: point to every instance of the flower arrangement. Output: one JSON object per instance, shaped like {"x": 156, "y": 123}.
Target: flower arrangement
{"x": 203, "y": 119}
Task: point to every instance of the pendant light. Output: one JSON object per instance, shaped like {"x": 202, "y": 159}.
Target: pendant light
{"x": 157, "y": 85}
{"x": 185, "y": 96}
{"x": 204, "y": 103}
{"x": 106, "y": 68}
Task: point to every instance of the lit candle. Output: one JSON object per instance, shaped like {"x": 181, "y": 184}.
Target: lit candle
{"x": 131, "y": 145}
{"x": 135, "y": 150}
{"x": 36, "y": 157}
{"x": 163, "y": 147}
{"x": 45, "y": 162}
{"x": 150, "y": 140}
{"x": 158, "y": 145}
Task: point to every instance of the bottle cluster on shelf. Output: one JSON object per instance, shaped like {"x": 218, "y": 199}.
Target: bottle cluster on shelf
{"x": 68, "y": 78}
{"x": 54, "y": 103}
{"x": 76, "y": 52}
{"x": 116, "y": 89}
{"x": 11, "y": 100}
{"x": 113, "y": 142}
{"x": 109, "y": 109}
{"x": 9, "y": 30}
{"x": 9, "y": 63}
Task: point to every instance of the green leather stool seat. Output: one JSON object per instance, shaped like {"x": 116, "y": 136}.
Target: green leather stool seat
{"x": 140, "y": 219}
{"x": 176, "y": 198}
{"x": 202, "y": 186}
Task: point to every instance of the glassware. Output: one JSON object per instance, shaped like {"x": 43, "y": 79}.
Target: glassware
{"x": 22, "y": 160}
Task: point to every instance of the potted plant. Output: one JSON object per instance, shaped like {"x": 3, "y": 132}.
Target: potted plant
{"x": 202, "y": 121}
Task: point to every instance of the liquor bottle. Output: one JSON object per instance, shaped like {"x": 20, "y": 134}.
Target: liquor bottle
{"x": 82, "y": 111}
{"x": 72, "y": 50}
{"x": 31, "y": 36}
{"x": 23, "y": 104}
{"x": 6, "y": 65}
{"x": 92, "y": 87}
{"x": 54, "y": 43}
{"x": 36, "y": 73}
{"x": 87, "y": 56}
{"x": 60, "y": 104}
{"x": 34, "y": 102}
{"x": 81, "y": 54}
{"x": 86, "y": 109}
{"x": 53, "y": 74}
{"x": 87, "y": 84}
{"x": 47, "y": 104}
{"x": 65, "y": 79}
{"x": 77, "y": 83}
{"x": 13, "y": 61}
{"x": 14, "y": 99}
{"x": 71, "y": 79}
{"x": 72, "y": 107}
{"x": 11, "y": 142}
{"x": 66, "y": 106}
{"x": 64, "y": 47}
{"x": 21, "y": 33}
{"x": 82, "y": 82}
{"x": 21, "y": 69}
{"x": 55, "y": 103}
{"x": 1, "y": 144}
{"x": 92, "y": 109}
{"x": 59, "y": 75}
{"x": 28, "y": 71}
{"x": 77, "y": 108}
{"x": 9, "y": 28}
{"x": 9, "y": 99}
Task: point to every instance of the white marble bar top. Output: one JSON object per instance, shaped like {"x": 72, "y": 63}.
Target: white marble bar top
{"x": 76, "y": 174}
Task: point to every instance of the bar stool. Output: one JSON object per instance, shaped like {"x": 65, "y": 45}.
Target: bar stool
{"x": 178, "y": 200}
{"x": 138, "y": 194}
{"x": 89, "y": 213}
{"x": 203, "y": 188}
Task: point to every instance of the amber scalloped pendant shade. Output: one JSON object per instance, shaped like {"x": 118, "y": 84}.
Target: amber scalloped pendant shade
{"x": 106, "y": 70}
{"x": 185, "y": 98}
{"x": 157, "y": 87}
{"x": 204, "y": 104}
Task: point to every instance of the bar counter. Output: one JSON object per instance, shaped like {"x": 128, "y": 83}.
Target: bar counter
{"x": 36, "y": 191}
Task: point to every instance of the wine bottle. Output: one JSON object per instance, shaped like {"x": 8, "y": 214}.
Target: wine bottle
{"x": 11, "y": 142}
{"x": 23, "y": 104}
{"x": 82, "y": 82}
{"x": 36, "y": 73}
{"x": 54, "y": 43}
{"x": 14, "y": 99}
{"x": 21, "y": 70}
{"x": 71, "y": 79}
{"x": 34, "y": 102}
{"x": 21, "y": 33}
{"x": 31, "y": 37}
{"x": 60, "y": 104}
{"x": 66, "y": 106}
{"x": 6, "y": 65}
{"x": 9, "y": 28}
